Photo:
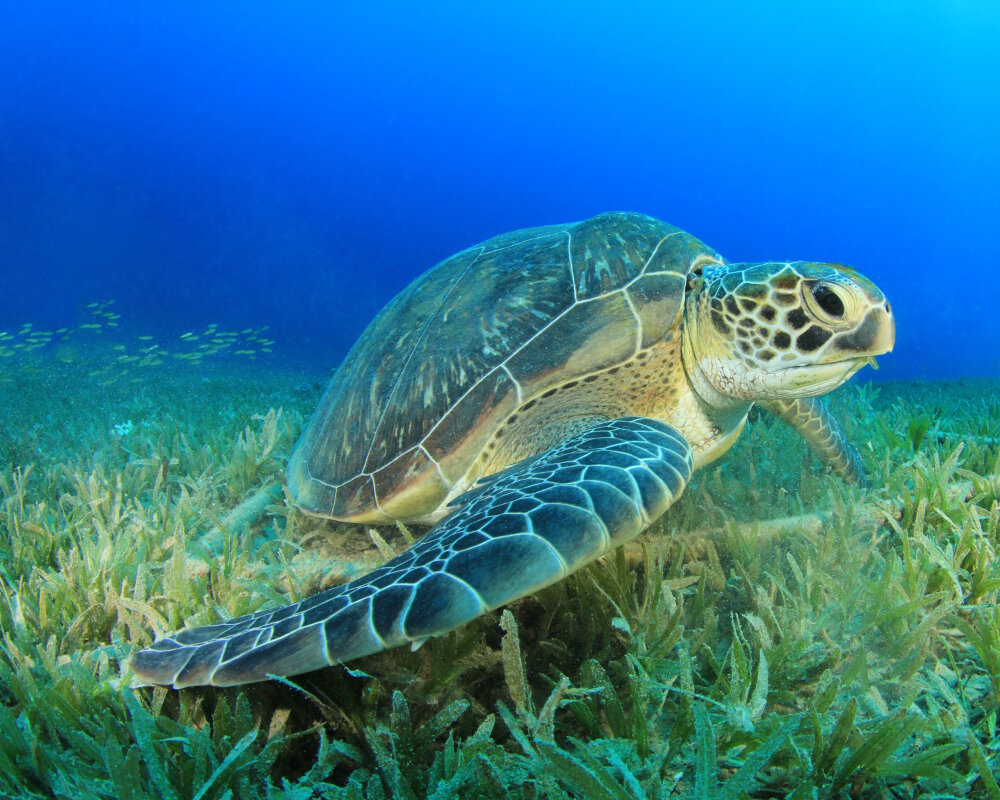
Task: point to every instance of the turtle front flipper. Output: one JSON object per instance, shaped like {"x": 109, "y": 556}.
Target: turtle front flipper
{"x": 528, "y": 528}
{"x": 814, "y": 423}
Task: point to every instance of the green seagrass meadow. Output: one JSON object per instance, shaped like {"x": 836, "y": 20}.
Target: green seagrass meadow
{"x": 777, "y": 634}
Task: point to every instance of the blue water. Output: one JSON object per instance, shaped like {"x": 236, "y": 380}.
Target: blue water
{"x": 297, "y": 164}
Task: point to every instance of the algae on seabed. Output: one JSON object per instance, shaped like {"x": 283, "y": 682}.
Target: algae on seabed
{"x": 777, "y": 634}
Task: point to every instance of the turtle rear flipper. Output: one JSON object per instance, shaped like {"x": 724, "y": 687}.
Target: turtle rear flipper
{"x": 529, "y": 528}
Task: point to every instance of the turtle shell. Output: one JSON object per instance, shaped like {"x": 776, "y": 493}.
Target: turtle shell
{"x": 469, "y": 342}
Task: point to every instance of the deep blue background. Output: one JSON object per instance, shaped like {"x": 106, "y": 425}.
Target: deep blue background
{"x": 297, "y": 164}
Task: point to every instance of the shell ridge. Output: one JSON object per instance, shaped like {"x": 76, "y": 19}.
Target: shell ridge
{"x": 498, "y": 328}
{"x": 388, "y": 401}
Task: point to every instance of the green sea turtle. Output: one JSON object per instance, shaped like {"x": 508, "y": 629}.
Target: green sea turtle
{"x": 542, "y": 398}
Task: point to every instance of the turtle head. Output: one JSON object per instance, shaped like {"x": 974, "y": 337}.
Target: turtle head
{"x": 780, "y": 330}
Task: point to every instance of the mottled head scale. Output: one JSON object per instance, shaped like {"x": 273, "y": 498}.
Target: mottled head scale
{"x": 776, "y": 329}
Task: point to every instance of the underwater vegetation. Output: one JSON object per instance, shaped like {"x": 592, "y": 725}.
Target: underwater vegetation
{"x": 776, "y": 634}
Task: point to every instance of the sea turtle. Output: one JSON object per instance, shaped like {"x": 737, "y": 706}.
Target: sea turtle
{"x": 541, "y": 397}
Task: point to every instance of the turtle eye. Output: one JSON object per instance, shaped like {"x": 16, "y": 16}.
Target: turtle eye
{"x": 828, "y": 301}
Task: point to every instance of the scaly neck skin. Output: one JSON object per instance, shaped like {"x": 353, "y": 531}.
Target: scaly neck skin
{"x": 720, "y": 418}
{"x": 717, "y": 405}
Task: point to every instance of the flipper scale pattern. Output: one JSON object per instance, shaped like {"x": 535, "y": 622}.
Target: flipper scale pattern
{"x": 518, "y": 531}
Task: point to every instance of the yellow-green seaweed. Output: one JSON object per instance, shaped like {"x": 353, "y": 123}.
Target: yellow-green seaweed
{"x": 778, "y": 634}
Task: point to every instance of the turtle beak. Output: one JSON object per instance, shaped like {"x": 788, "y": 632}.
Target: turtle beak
{"x": 891, "y": 328}
{"x": 875, "y": 336}
{"x": 885, "y": 335}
